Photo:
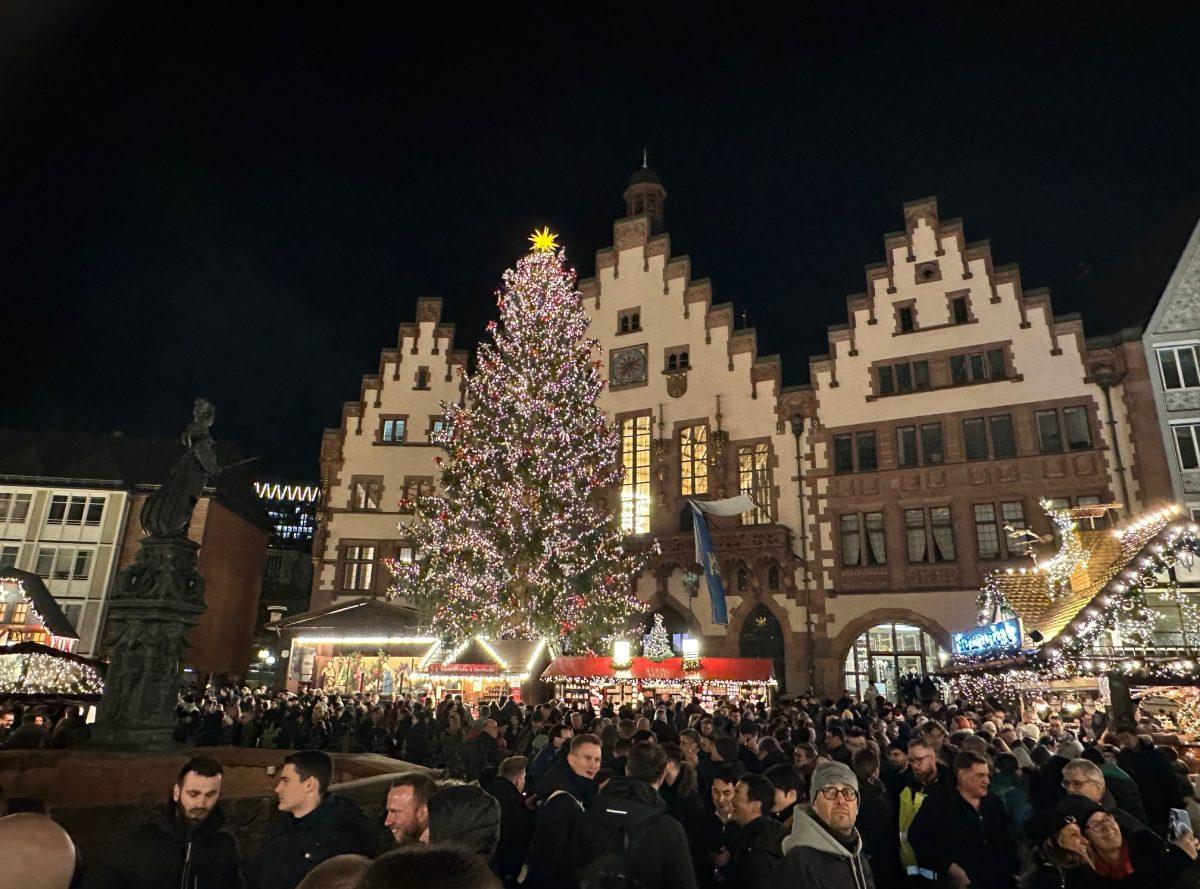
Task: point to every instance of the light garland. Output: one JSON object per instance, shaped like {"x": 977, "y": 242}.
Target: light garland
{"x": 522, "y": 545}
{"x": 44, "y": 674}
{"x": 1005, "y": 686}
{"x": 1071, "y": 555}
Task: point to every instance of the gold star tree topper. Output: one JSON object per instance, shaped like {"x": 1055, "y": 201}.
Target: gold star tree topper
{"x": 543, "y": 241}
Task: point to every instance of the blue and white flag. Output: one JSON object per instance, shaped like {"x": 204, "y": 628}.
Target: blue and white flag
{"x": 705, "y": 555}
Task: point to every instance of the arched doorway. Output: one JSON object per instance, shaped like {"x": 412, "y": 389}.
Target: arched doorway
{"x": 763, "y": 637}
{"x": 883, "y": 655}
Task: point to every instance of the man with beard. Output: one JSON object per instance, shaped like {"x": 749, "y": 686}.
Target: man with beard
{"x": 183, "y": 846}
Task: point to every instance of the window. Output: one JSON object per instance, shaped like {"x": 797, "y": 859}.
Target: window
{"x": 44, "y": 563}
{"x": 958, "y": 370}
{"x": 864, "y": 447}
{"x": 19, "y": 613}
{"x": 358, "y": 566}
{"x": 754, "y": 478}
{"x": 1179, "y": 367}
{"x": 677, "y": 359}
{"x": 629, "y": 321}
{"x": 391, "y": 430}
{"x": 672, "y": 362}
{"x": 404, "y": 551}
{"x": 58, "y": 510}
{"x": 83, "y": 565}
{"x": 1049, "y": 435}
{"x": 72, "y": 611}
{"x": 931, "y": 442}
{"x": 684, "y": 361}
{"x": 975, "y": 363}
{"x": 977, "y": 367}
{"x": 14, "y": 508}
{"x": 843, "y": 454}
{"x": 1075, "y": 422}
{"x": 62, "y": 564}
{"x": 8, "y": 556}
{"x": 921, "y": 374}
{"x": 996, "y": 366}
{"x": 987, "y": 535}
{"x": 958, "y": 310}
{"x": 75, "y": 510}
{"x": 436, "y": 425}
{"x": 95, "y": 510}
{"x": 906, "y": 446}
{"x": 905, "y": 317}
{"x": 887, "y": 380}
{"x": 635, "y": 485}
{"x": 743, "y": 579}
{"x": 1013, "y": 512}
{"x": 884, "y": 655}
{"x": 693, "y": 460}
{"x": 975, "y": 445}
{"x": 422, "y": 381}
{"x": 415, "y": 487}
{"x": 1003, "y": 443}
{"x": 1187, "y": 446}
{"x": 929, "y": 534}
{"x": 366, "y": 492}
{"x": 851, "y": 541}
{"x": 904, "y": 381}
{"x": 876, "y": 550}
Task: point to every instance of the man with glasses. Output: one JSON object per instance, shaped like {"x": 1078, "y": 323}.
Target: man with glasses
{"x": 1116, "y": 856}
{"x": 963, "y": 834}
{"x": 1081, "y": 777}
{"x": 824, "y": 850}
{"x": 919, "y": 779}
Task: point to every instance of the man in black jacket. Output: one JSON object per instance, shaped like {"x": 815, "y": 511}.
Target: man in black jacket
{"x": 627, "y": 833}
{"x": 758, "y": 846}
{"x": 316, "y": 824}
{"x": 564, "y": 791}
{"x": 516, "y": 819}
{"x": 183, "y": 847}
{"x": 483, "y": 751}
{"x": 963, "y": 834}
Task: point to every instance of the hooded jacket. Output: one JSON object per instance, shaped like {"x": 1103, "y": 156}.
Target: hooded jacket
{"x": 466, "y": 815}
{"x": 294, "y": 846}
{"x": 166, "y": 853}
{"x": 814, "y": 858}
{"x": 563, "y": 795}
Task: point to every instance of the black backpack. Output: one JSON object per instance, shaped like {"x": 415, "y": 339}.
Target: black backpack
{"x": 606, "y": 846}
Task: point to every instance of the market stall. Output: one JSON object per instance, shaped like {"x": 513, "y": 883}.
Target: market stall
{"x": 1111, "y": 620}
{"x": 581, "y": 678}
{"x": 482, "y": 670}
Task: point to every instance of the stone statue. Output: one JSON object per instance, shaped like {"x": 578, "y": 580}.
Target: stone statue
{"x": 168, "y": 511}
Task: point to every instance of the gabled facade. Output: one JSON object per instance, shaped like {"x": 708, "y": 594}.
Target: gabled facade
{"x": 1172, "y": 343}
{"x": 379, "y": 460}
{"x": 833, "y": 578}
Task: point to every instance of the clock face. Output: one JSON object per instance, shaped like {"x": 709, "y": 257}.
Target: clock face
{"x": 628, "y": 366}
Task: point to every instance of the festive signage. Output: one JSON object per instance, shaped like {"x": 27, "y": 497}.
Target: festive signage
{"x": 991, "y": 639}
{"x": 439, "y": 667}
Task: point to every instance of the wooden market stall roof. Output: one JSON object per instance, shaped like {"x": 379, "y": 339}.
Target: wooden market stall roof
{"x": 712, "y": 669}
{"x": 1028, "y": 592}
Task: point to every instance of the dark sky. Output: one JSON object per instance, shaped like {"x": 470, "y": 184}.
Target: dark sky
{"x": 245, "y": 203}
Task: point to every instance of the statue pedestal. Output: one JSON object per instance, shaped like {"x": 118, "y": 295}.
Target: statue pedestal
{"x": 157, "y": 600}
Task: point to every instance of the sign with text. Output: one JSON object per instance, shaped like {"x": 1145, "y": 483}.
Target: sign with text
{"x": 1002, "y": 637}
{"x": 482, "y": 669}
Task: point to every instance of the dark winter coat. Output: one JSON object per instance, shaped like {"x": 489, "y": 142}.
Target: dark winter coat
{"x": 1155, "y": 781}
{"x": 564, "y": 797}
{"x": 482, "y": 753}
{"x": 516, "y": 827}
{"x": 1165, "y": 871}
{"x": 756, "y": 853}
{"x": 294, "y": 846}
{"x": 876, "y": 825}
{"x": 949, "y": 830}
{"x": 164, "y": 853}
{"x": 657, "y": 855}
{"x": 1124, "y": 792}
{"x": 815, "y": 859}
{"x": 702, "y": 828}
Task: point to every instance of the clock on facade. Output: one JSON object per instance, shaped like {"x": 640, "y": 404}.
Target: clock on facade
{"x": 628, "y": 366}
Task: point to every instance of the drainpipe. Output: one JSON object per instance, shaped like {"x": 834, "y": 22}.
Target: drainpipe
{"x": 797, "y": 431}
{"x": 1106, "y": 377}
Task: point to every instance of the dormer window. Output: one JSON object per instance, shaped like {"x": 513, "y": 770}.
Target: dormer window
{"x": 422, "y": 381}
{"x": 676, "y": 359}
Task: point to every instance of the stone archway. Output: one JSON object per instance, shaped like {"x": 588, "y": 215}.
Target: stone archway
{"x": 895, "y": 658}
{"x": 762, "y": 636}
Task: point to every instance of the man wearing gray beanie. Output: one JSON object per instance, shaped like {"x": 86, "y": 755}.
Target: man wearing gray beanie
{"x": 824, "y": 850}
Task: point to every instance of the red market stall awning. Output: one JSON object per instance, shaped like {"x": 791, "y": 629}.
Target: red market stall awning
{"x": 712, "y": 669}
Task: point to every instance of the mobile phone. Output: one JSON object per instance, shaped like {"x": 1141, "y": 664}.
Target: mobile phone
{"x": 1178, "y": 823}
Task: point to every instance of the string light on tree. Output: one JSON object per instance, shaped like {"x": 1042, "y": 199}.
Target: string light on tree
{"x": 656, "y": 644}
{"x": 520, "y": 544}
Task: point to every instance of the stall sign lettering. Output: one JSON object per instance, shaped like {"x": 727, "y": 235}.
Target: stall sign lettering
{"x": 1002, "y": 636}
{"x": 463, "y": 668}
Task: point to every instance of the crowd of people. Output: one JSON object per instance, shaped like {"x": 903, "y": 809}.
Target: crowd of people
{"x": 804, "y": 792}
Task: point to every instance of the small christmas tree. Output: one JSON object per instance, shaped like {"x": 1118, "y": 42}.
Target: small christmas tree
{"x": 656, "y": 644}
{"x": 521, "y": 544}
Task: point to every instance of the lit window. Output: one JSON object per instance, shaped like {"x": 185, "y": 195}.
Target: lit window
{"x": 365, "y": 493}
{"x": 693, "y": 460}
{"x": 19, "y": 613}
{"x": 754, "y": 479}
{"x": 358, "y": 567}
{"x": 635, "y": 486}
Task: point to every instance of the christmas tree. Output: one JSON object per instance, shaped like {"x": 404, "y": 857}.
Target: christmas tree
{"x": 521, "y": 543}
{"x": 656, "y": 644}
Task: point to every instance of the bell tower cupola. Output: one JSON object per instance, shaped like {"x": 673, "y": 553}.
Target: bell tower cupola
{"x": 645, "y": 196}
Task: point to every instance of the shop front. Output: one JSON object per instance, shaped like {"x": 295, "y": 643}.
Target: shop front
{"x": 712, "y": 679}
{"x": 1110, "y": 624}
{"x": 482, "y": 670}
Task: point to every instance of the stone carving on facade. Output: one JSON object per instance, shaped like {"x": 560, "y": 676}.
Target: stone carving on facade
{"x": 1184, "y": 310}
{"x": 156, "y": 601}
{"x": 865, "y": 579}
{"x": 933, "y": 577}
{"x": 1185, "y": 400}
{"x": 677, "y": 384}
{"x": 1054, "y": 468}
{"x": 1084, "y": 465}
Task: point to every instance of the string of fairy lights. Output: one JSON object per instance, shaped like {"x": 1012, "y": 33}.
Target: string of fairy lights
{"x": 521, "y": 542}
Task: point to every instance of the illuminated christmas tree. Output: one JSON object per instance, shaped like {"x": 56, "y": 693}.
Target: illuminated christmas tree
{"x": 521, "y": 543}
{"x": 656, "y": 644}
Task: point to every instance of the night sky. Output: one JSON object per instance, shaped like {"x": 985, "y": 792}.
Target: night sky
{"x": 244, "y": 204}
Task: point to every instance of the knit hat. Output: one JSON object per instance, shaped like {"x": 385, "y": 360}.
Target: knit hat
{"x": 827, "y": 773}
{"x": 1071, "y": 809}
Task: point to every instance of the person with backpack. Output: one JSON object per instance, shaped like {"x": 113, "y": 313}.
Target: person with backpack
{"x": 627, "y": 838}
{"x": 565, "y": 791}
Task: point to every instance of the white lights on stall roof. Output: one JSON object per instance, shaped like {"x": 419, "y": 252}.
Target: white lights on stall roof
{"x": 492, "y": 652}
{"x": 537, "y": 653}
{"x": 45, "y": 674}
{"x": 1150, "y": 519}
{"x": 363, "y": 640}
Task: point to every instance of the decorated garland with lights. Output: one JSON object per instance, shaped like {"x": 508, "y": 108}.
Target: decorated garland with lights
{"x": 522, "y": 544}
{"x": 45, "y": 674}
